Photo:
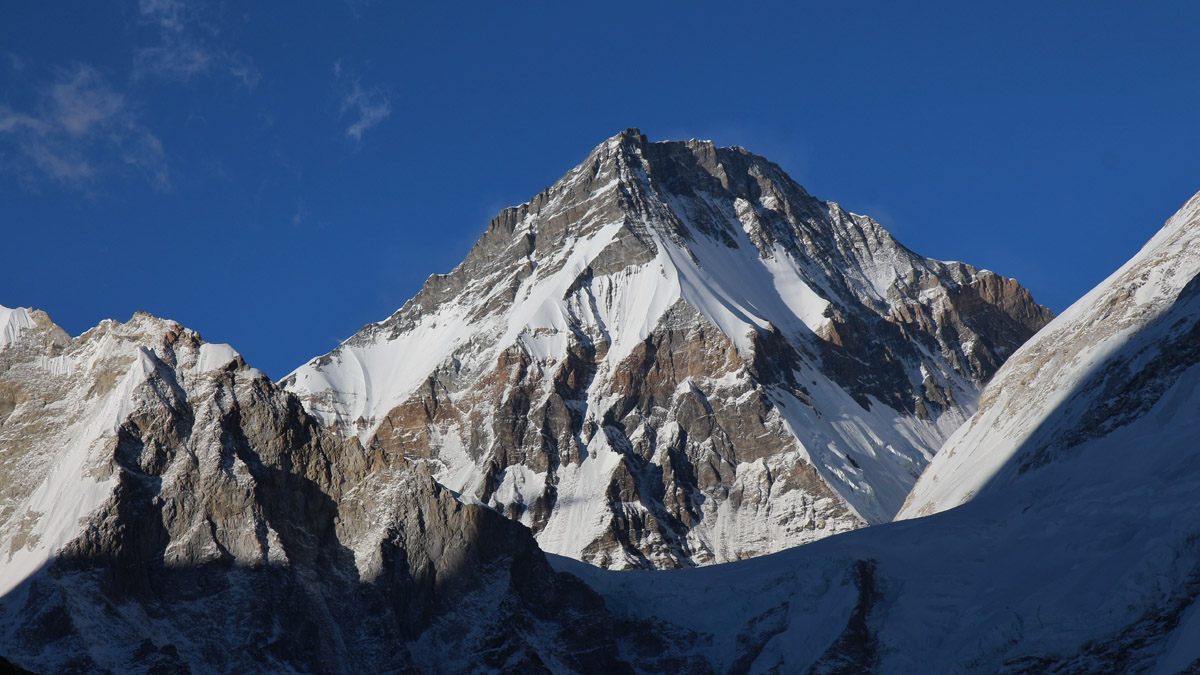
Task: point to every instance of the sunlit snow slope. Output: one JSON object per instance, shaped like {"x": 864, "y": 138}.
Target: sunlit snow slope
{"x": 1119, "y": 352}
{"x": 677, "y": 356}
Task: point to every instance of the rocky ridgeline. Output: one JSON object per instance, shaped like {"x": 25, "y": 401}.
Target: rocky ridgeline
{"x": 167, "y": 507}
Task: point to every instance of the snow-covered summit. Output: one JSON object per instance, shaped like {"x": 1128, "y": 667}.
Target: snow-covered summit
{"x": 676, "y": 355}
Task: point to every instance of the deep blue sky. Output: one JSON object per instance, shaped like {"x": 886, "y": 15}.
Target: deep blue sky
{"x": 275, "y": 175}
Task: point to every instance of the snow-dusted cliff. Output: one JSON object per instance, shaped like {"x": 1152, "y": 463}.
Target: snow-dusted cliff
{"x": 166, "y": 508}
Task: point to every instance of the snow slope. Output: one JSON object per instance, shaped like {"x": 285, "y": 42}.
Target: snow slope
{"x": 1102, "y": 363}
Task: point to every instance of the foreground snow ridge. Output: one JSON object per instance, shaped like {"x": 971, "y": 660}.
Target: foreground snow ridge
{"x": 1109, "y": 358}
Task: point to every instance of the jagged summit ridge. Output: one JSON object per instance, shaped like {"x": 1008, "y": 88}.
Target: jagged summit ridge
{"x": 676, "y": 355}
{"x": 62, "y": 405}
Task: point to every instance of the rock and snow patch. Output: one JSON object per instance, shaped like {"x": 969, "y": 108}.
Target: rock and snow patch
{"x": 12, "y": 322}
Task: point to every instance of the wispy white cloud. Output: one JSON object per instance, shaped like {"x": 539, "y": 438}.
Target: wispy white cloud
{"x": 242, "y": 69}
{"x": 370, "y": 105}
{"x": 186, "y": 46}
{"x": 176, "y": 57}
{"x": 355, "y": 5}
{"x": 301, "y": 212}
{"x": 82, "y": 100}
{"x": 12, "y": 121}
{"x": 15, "y": 63}
{"x": 79, "y": 129}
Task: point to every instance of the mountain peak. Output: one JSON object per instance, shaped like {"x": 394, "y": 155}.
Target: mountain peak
{"x": 628, "y": 177}
{"x": 630, "y": 135}
{"x": 638, "y": 328}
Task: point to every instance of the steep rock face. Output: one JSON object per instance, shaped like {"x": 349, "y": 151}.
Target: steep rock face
{"x": 676, "y": 356}
{"x": 164, "y": 506}
{"x": 1065, "y": 529}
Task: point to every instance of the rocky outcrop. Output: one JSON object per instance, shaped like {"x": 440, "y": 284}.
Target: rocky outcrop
{"x": 167, "y": 508}
{"x": 676, "y": 356}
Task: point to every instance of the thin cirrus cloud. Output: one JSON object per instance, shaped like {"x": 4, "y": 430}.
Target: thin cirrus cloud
{"x": 79, "y": 129}
{"x": 183, "y": 51}
{"x": 368, "y": 105}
